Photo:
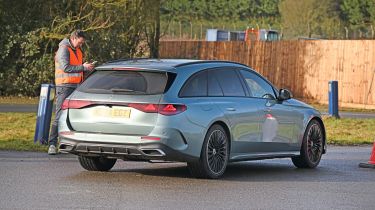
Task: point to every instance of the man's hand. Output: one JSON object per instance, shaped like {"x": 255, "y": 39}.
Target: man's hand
{"x": 88, "y": 66}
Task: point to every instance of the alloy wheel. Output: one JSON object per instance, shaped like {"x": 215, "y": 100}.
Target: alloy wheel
{"x": 314, "y": 143}
{"x": 217, "y": 151}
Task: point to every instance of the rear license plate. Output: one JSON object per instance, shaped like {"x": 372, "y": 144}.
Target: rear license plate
{"x": 114, "y": 112}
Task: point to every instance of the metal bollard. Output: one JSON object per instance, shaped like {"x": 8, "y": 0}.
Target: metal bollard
{"x": 43, "y": 121}
{"x": 333, "y": 106}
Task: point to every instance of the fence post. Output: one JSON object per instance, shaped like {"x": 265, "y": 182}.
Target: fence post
{"x": 180, "y": 30}
{"x": 191, "y": 30}
{"x": 333, "y": 106}
{"x": 201, "y": 32}
{"x": 346, "y": 33}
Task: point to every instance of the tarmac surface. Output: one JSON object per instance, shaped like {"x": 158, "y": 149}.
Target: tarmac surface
{"x": 31, "y": 180}
{"x": 19, "y": 108}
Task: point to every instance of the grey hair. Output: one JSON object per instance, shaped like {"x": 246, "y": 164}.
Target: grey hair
{"x": 78, "y": 34}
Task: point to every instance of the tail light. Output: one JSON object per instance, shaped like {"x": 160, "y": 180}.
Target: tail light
{"x": 75, "y": 104}
{"x": 149, "y": 108}
{"x": 171, "y": 109}
{"x": 151, "y": 138}
{"x": 164, "y": 109}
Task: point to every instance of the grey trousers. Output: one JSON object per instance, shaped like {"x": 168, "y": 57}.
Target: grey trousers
{"x": 61, "y": 94}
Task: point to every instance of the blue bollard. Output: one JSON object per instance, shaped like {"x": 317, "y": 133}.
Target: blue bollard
{"x": 333, "y": 96}
{"x": 43, "y": 121}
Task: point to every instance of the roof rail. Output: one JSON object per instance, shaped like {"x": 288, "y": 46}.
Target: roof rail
{"x": 127, "y": 59}
{"x": 209, "y": 61}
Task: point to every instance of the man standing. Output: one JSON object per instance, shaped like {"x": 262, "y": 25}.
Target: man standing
{"x": 69, "y": 68}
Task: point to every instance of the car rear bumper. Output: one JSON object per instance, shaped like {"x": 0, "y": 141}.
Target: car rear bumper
{"x": 141, "y": 151}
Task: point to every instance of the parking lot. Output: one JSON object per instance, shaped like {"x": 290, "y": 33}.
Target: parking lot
{"x": 37, "y": 181}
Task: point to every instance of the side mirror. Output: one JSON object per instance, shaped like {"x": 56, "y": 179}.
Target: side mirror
{"x": 284, "y": 94}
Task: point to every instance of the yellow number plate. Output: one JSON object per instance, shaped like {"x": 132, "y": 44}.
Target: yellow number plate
{"x": 122, "y": 113}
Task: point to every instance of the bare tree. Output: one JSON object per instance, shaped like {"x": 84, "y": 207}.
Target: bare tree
{"x": 152, "y": 26}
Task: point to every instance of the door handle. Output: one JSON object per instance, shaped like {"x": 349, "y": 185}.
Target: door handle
{"x": 231, "y": 109}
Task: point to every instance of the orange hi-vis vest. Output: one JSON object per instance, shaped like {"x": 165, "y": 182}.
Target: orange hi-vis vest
{"x": 62, "y": 77}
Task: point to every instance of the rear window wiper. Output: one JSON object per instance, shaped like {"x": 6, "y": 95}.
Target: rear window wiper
{"x": 93, "y": 90}
{"x": 121, "y": 90}
{"x": 124, "y": 90}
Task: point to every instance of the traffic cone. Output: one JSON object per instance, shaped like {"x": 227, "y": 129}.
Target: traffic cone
{"x": 371, "y": 162}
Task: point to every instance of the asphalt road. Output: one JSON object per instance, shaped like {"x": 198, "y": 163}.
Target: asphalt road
{"x": 18, "y": 108}
{"x": 38, "y": 181}
{"x": 34, "y": 108}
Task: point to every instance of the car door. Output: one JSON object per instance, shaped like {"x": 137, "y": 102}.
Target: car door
{"x": 277, "y": 120}
{"x": 229, "y": 93}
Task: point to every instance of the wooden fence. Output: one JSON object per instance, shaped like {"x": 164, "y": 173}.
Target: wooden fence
{"x": 304, "y": 67}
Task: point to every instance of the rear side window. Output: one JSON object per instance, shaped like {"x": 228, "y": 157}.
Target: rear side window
{"x": 214, "y": 88}
{"x": 213, "y": 83}
{"x": 126, "y": 82}
{"x": 229, "y": 82}
{"x": 195, "y": 86}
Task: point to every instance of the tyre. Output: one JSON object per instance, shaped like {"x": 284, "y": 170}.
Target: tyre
{"x": 96, "y": 163}
{"x": 312, "y": 147}
{"x": 214, "y": 155}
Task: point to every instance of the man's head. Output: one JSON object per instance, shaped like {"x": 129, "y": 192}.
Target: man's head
{"x": 77, "y": 38}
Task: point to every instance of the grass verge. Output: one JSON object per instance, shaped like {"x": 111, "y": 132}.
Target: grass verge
{"x": 347, "y": 131}
{"x": 19, "y": 100}
{"x": 17, "y": 131}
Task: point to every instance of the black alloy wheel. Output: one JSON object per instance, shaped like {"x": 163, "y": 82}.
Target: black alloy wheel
{"x": 217, "y": 151}
{"x": 312, "y": 146}
{"x": 214, "y": 155}
{"x": 315, "y": 143}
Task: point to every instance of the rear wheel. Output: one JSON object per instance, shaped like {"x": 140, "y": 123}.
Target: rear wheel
{"x": 96, "y": 163}
{"x": 312, "y": 147}
{"x": 214, "y": 155}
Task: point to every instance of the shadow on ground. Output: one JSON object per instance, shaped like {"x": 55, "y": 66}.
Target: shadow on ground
{"x": 251, "y": 171}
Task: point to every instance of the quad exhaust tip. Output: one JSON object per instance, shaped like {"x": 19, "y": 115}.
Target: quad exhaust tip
{"x": 96, "y": 149}
{"x": 153, "y": 152}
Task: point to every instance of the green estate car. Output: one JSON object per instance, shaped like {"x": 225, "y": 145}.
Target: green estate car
{"x": 205, "y": 113}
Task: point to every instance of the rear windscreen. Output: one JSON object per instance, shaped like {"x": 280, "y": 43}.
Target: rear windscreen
{"x": 127, "y": 82}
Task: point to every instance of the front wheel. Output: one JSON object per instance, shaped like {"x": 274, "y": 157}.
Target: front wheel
{"x": 96, "y": 163}
{"x": 214, "y": 155}
{"x": 312, "y": 147}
